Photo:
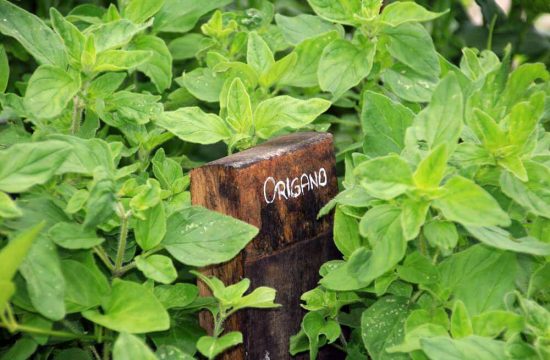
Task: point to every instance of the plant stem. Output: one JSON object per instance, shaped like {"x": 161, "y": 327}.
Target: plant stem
{"x": 124, "y": 216}
{"x": 100, "y": 252}
{"x": 491, "y": 30}
{"x": 77, "y": 115}
{"x": 41, "y": 331}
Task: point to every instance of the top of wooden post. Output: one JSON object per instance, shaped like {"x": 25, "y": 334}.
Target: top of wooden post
{"x": 273, "y": 148}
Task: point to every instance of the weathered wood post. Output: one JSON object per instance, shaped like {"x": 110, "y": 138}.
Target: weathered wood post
{"x": 278, "y": 186}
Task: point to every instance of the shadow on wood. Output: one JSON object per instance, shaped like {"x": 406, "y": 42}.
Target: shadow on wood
{"x": 278, "y": 186}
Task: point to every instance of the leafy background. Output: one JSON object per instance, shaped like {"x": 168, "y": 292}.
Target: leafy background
{"x": 441, "y": 130}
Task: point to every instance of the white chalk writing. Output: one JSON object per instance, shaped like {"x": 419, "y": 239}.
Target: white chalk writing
{"x": 288, "y": 188}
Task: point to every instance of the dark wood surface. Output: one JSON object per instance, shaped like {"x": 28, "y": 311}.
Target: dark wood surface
{"x": 292, "y": 243}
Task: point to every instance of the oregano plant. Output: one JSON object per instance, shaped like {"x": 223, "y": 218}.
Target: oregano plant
{"x": 442, "y": 149}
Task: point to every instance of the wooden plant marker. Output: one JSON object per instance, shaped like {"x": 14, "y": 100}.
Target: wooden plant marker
{"x": 278, "y": 186}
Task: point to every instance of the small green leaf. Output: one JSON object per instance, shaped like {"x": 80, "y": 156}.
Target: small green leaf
{"x": 339, "y": 11}
{"x": 13, "y": 254}
{"x": 302, "y": 27}
{"x": 116, "y": 60}
{"x": 147, "y": 197}
{"x": 401, "y": 12}
{"x": 456, "y": 204}
{"x": 194, "y": 125}
{"x": 343, "y": 65}
{"x": 159, "y": 66}
{"x": 409, "y": 85}
{"x": 74, "y": 236}
{"x": 258, "y": 54}
{"x": 430, "y": 171}
{"x": 131, "y": 308}
{"x": 261, "y": 298}
{"x": 8, "y": 207}
{"x": 346, "y": 233}
{"x": 212, "y": 346}
{"x": 413, "y": 216}
{"x": 138, "y": 11}
{"x": 4, "y": 70}
{"x": 461, "y": 324}
{"x": 472, "y": 347}
{"x": 239, "y": 108}
{"x": 203, "y": 83}
{"x": 176, "y": 296}
{"x": 384, "y": 124}
{"x": 100, "y": 206}
{"x": 73, "y": 39}
{"x": 157, "y": 267}
{"x": 200, "y": 237}
{"x": 150, "y": 231}
{"x": 85, "y": 285}
{"x": 385, "y": 177}
{"x": 501, "y": 239}
{"x": 180, "y": 16}
{"x": 278, "y": 70}
{"x": 493, "y": 323}
{"x": 418, "y": 269}
{"x": 25, "y": 165}
{"x": 280, "y": 112}
{"x": 31, "y": 32}
{"x": 131, "y": 347}
{"x": 114, "y": 34}
{"x": 50, "y": 90}
{"x": 441, "y": 234}
{"x": 411, "y": 44}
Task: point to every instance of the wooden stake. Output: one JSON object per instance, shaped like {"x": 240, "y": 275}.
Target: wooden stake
{"x": 278, "y": 186}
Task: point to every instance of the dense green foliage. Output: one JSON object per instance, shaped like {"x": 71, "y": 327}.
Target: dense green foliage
{"x": 443, "y": 219}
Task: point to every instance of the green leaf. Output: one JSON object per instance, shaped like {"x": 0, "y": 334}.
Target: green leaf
{"x": 13, "y": 254}
{"x": 441, "y": 234}
{"x": 149, "y": 195}
{"x": 212, "y": 346}
{"x": 520, "y": 80}
{"x": 493, "y": 323}
{"x": 116, "y": 60}
{"x": 85, "y": 155}
{"x": 8, "y": 207}
{"x": 501, "y": 239}
{"x": 131, "y": 308}
{"x": 125, "y": 107}
{"x": 278, "y": 70}
{"x": 411, "y": 44}
{"x": 138, "y": 11}
{"x": 346, "y": 233}
{"x": 85, "y": 286}
{"x": 413, "y": 216}
{"x": 176, "y": 296}
{"x": 384, "y": 124}
{"x": 472, "y": 347}
{"x": 200, "y": 237}
{"x": 45, "y": 282}
{"x": 150, "y": 231}
{"x": 72, "y": 37}
{"x": 441, "y": 121}
{"x": 159, "y": 66}
{"x": 304, "y": 72}
{"x": 258, "y": 54}
{"x": 193, "y": 125}
{"x": 532, "y": 194}
{"x": 239, "y": 108}
{"x": 522, "y": 121}
{"x": 50, "y": 90}
{"x": 180, "y": 16}
{"x": 280, "y": 112}
{"x": 418, "y": 269}
{"x": 456, "y": 204}
{"x": 302, "y": 27}
{"x": 487, "y": 130}
{"x": 100, "y": 206}
{"x": 131, "y": 347}
{"x": 25, "y": 165}
{"x": 4, "y": 70}
{"x": 89, "y": 54}
{"x": 480, "y": 277}
{"x": 385, "y": 177}
{"x": 261, "y": 298}
{"x": 343, "y": 65}
{"x": 7, "y": 289}
{"x": 31, "y": 32}
{"x": 74, "y": 236}
{"x": 430, "y": 171}
{"x": 401, "y": 12}
{"x": 204, "y": 84}
{"x": 157, "y": 267}
{"x": 413, "y": 337}
{"x": 339, "y": 11}
{"x": 114, "y": 34}
{"x": 23, "y": 349}
{"x": 409, "y": 85}
{"x": 461, "y": 324}
{"x": 313, "y": 326}
{"x": 189, "y": 46}
{"x": 382, "y": 326}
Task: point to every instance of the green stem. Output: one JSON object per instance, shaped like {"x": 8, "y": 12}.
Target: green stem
{"x": 77, "y": 115}
{"x": 152, "y": 251}
{"x": 48, "y": 332}
{"x": 491, "y": 30}
{"x": 100, "y": 252}
{"x": 416, "y": 296}
{"x": 124, "y": 216}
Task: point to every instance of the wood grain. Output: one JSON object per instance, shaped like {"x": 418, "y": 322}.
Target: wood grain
{"x": 292, "y": 243}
